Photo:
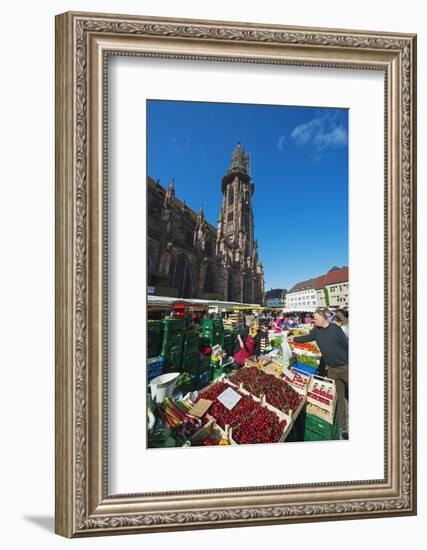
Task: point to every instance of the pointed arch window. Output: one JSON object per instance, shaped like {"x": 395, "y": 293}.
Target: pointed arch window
{"x": 209, "y": 281}
{"x": 188, "y": 237}
{"x": 180, "y": 276}
{"x": 230, "y": 195}
{"x": 208, "y": 248}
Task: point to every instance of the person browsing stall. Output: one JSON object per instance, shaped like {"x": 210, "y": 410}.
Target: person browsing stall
{"x": 341, "y": 320}
{"x": 333, "y": 345}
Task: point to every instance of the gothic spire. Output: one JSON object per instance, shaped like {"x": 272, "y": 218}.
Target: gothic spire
{"x": 170, "y": 193}
{"x": 239, "y": 160}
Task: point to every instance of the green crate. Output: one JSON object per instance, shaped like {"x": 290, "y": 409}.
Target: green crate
{"x": 317, "y": 429}
{"x": 173, "y": 341}
{"x": 177, "y": 354}
{"x": 171, "y": 367}
{"x": 190, "y": 363}
{"x": 173, "y": 336}
{"x": 212, "y": 324}
{"x": 216, "y": 337}
{"x": 172, "y": 324}
{"x": 172, "y": 361}
{"x": 153, "y": 347}
{"x": 172, "y": 349}
{"x": 154, "y": 326}
{"x": 191, "y": 342}
{"x": 204, "y": 363}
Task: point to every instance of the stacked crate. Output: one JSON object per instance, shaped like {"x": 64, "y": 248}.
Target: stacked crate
{"x": 213, "y": 331}
{"x": 198, "y": 366}
{"x": 154, "y": 338}
{"x": 204, "y": 373}
{"x": 154, "y": 367}
{"x": 235, "y": 319}
{"x": 190, "y": 355}
{"x": 172, "y": 346}
{"x": 317, "y": 429}
{"x": 230, "y": 339}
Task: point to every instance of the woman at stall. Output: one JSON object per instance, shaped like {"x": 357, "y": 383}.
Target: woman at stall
{"x": 248, "y": 343}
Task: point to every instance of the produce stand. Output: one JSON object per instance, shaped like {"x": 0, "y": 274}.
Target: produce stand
{"x": 250, "y": 425}
{"x": 288, "y": 396}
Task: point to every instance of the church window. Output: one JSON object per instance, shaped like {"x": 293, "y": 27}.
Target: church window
{"x": 181, "y": 276}
{"x": 230, "y": 196}
{"x": 230, "y": 216}
{"x": 208, "y": 247}
{"x": 188, "y": 237}
{"x": 209, "y": 281}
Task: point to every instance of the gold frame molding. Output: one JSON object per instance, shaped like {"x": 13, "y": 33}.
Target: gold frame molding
{"x": 83, "y": 43}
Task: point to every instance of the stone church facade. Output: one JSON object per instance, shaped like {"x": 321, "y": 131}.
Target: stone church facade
{"x": 190, "y": 258}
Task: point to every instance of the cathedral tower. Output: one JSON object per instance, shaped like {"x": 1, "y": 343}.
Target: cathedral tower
{"x": 235, "y": 235}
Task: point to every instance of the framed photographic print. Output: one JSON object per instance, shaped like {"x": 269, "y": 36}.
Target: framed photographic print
{"x": 230, "y": 198}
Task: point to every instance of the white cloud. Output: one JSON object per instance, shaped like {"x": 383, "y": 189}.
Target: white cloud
{"x": 280, "y": 143}
{"x": 181, "y": 144}
{"x": 322, "y": 132}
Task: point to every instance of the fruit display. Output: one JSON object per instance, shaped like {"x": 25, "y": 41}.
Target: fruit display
{"x": 210, "y": 441}
{"x": 277, "y": 392}
{"x": 249, "y": 420}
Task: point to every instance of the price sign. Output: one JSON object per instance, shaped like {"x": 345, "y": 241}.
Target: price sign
{"x": 229, "y": 398}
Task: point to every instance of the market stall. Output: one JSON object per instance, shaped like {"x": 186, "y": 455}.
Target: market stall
{"x": 197, "y": 397}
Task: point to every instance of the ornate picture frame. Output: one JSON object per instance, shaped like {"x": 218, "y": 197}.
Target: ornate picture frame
{"x": 83, "y": 43}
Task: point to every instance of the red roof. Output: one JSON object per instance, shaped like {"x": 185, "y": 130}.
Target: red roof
{"x": 320, "y": 282}
{"x": 336, "y": 276}
{"x": 332, "y": 277}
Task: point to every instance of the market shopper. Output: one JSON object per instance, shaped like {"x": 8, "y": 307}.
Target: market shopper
{"x": 333, "y": 345}
{"x": 248, "y": 343}
{"x": 341, "y": 320}
{"x": 328, "y": 314}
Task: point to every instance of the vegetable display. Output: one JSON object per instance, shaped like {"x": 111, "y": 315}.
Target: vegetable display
{"x": 277, "y": 392}
{"x": 308, "y": 360}
{"x": 183, "y": 379}
{"x": 174, "y": 415}
{"x": 249, "y": 420}
{"x": 306, "y": 346}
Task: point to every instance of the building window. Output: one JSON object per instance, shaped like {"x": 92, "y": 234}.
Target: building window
{"x": 208, "y": 248}
{"x": 230, "y": 195}
{"x": 209, "y": 281}
{"x": 180, "y": 276}
{"x": 188, "y": 237}
{"x": 230, "y": 216}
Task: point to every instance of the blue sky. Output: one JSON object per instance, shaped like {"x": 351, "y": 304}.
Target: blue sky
{"x": 299, "y": 163}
